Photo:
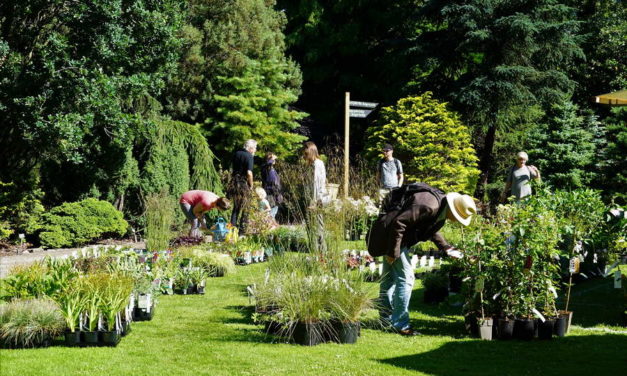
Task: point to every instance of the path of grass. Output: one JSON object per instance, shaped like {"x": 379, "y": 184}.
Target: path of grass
{"x": 212, "y": 335}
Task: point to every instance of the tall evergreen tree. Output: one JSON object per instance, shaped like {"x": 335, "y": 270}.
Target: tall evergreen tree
{"x": 226, "y": 41}
{"x": 564, "y": 146}
{"x": 494, "y": 59}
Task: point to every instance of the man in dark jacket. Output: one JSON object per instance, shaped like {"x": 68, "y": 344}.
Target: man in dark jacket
{"x": 241, "y": 184}
{"x": 419, "y": 219}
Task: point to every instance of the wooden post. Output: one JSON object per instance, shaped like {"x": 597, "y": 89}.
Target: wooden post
{"x": 346, "y": 140}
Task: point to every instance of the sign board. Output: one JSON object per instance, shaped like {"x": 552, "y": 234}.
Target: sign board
{"x": 573, "y": 266}
{"x": 359, "y": 113}
{"x": 363, "y": 104}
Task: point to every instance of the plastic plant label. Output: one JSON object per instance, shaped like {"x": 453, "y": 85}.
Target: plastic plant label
{"x": 538, "y": 315}
{"x": 617, "y": 280}
{"x": 431, "y": 261}
{"x": 414, "y": 261}
{"x": 361, "y": 268}
{"x": 142, "y": 302}
{"x": 479, "y": 284}
{"x": 573, "y": 266}
{"x": 595, "y": 258}
{"x": 372, "y": 266}
{"x": 423, "y": 261}
{"x": 381, "y": 269}
{"x": 21, "y": 236}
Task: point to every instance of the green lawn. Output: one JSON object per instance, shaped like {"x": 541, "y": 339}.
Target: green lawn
{"x": 213, "y": 335}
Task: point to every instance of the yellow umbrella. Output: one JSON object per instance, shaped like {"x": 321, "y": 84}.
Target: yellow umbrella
{"x": 617, "y": 98}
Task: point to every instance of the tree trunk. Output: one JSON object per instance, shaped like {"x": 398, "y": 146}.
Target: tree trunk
{"x": 486, "y": 161}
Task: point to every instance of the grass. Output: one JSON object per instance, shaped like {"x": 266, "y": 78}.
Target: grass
{"x": 213, "y": 335}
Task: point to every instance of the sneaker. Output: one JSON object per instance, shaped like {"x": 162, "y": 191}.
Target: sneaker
{"x": 409, "y": 332}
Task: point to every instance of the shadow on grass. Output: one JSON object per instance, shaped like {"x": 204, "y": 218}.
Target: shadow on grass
{"x": 595, "y": 302}
{"x": 245, "y": 313}
{"x": 576, "y": 355}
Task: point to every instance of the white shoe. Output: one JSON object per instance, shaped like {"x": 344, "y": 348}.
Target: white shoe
{"x": 454, "y": 253}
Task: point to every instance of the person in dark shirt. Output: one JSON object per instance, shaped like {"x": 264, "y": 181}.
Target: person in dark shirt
{"x": 241, "y": 184}
{"x": 271, "y": 183}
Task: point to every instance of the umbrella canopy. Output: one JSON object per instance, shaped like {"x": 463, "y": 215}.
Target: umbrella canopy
{"x": 617, "y": 98}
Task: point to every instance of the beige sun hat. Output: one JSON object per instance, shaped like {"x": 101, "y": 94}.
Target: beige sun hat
{"x": 462, "y": 206}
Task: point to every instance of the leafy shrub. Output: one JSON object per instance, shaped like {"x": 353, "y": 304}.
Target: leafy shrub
{"x": 431, "y": 142}
{"x": 29, "y": 323}
{"x": 37, "y": 280}
{"x": 77, "y": 223}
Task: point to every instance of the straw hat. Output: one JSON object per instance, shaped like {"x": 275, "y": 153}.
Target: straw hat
{"x": 462, "y": 206}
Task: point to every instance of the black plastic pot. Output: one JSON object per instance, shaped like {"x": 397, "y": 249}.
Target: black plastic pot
{"x": 348, "y": 332}
{"x": 126, "y": 328}
{"x": 72, "y": 338}
{"x": 90, "y": 338}
{"x": 308, "y": 334}
{"x": 110, "y": 338}
{"x": 200, "y": 290}
{"x": 435, "y": 295}
{"x": 505, "y": 329}
{"x": 524, "y": 329}
{"x": 559, "y": 329}
{"x": 545, "y": 329}
{"x": 472, "y": 326}
{"x": 272, "y": 327}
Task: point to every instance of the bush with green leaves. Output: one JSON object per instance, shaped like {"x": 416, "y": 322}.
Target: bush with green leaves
{"x": 29, "y": 323}
{"x": 430, "y": 140}
{"x": 76, "y": 223}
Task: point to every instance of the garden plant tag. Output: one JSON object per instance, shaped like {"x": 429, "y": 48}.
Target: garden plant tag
{"x": 617, "y": 280}
{"x": 538, "y": 314}
{"x": 381, "y": 269}
{"x": 595, "y": 259}
{"x": 414, "y": 261}
{"x": 573, "y": 266}
{"x": 431, "y": 261}
{"x": 372, "y": 266}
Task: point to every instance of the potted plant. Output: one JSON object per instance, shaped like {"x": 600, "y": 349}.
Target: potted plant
{"x": 348, "y": 299}
{"x": 71, "y": 302}
{"x": 29, "y": 323}
{"x": 114, "y": 299}
{"x": 198, "y": 278}
{"x": 93, "y": 295}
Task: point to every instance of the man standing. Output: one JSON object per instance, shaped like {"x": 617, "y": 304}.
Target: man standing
{"x": 419, "y": 218}
{"x": 241, "y": 184}
{"x": 389, "y": 171}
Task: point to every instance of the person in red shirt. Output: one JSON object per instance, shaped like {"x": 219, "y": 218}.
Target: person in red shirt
{"x": 196, "y": 203}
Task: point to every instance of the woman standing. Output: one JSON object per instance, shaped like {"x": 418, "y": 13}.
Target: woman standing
{"x": 318, "y": 196}
{"x": 518, "y": 178}
{"x": 196, "y": 203}
{"x": 271, "y": 183}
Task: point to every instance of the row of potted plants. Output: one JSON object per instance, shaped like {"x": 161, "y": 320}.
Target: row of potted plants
{"x": 311, "y": 302}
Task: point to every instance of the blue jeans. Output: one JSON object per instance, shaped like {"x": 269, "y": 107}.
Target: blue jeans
{"x": 191, "y": 218}
{"x": 397, "y": 284}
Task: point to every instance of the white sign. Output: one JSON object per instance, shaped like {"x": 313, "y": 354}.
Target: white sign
{"x": 431, "y": 261}
{"x": 423, "y": 261}
{"x": 363, "y": 104}
{"x": 414, "y": 261}
{"x": 359, "y": 113}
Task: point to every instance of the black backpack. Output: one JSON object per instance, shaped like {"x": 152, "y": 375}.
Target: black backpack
{"x": 396, "y": 199}
{"x": 393, "y": 204}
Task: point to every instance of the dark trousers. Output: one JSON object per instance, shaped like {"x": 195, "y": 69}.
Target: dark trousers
{"x": 239, "y": 215}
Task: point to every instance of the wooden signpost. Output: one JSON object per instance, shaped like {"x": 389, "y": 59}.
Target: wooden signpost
{"x": 361, "y": 110}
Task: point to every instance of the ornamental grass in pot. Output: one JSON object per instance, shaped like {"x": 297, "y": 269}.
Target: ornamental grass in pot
{"x": 30, "y": 323}
{"x": 114, "y": 298}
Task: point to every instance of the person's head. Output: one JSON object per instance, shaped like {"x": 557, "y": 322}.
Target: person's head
{"x": 270, "y": 157}
{"x": 310, "y": 152}
{"x": 261, "y": 193}
{"x": 250, "y": 146}
{"x": 223, "y": 203}
{"x": 388, "y": 151}
{"x": 461, "y": 208}
{"x": 521, "y": 158}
